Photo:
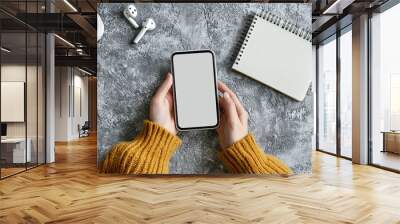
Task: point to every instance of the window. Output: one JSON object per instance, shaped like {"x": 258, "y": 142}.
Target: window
{"x": 394, "y": 102}
{"x": 385, "y": 89}
{"x": 22, "y": 78}
{"x": 346, "y": 94}
{"x": 327, "y": 97}
{"x": 334, "y": 106}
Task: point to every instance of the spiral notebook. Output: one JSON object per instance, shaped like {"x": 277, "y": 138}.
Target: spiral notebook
{"x": 277, "y": 53}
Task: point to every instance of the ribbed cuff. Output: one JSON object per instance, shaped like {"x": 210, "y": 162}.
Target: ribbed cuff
{"x": 148, "y": 153}
{"x": 158, "y": 147}
{"x": 245, "y": 156}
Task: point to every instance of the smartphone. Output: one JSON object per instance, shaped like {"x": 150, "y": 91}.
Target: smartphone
{"x": 195, "y": 90}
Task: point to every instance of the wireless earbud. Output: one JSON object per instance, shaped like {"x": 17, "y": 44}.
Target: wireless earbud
{"x": 148, "y": 24}
{"x": 100, "y": 28}
{"x": 130, "y": 13}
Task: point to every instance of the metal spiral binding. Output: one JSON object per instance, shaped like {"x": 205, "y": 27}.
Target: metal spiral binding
{"x": 285, "y": 24}
{"x": 274, "y": 19}
{"x": 245, "y": 38}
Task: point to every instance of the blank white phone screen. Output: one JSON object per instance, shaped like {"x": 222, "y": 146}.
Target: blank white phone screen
{"x": 195, "y": 90}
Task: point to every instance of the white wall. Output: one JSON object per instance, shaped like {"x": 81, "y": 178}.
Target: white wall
{"x": 13, "y": 101}
{"x": 70, "y": 83}
{"x": 12, "y": 73}
{"x": 34, "y": 126}
{"x": 81, "y": 84}
{"x": 61, "y": 103}
{"x": 17, "y": 73}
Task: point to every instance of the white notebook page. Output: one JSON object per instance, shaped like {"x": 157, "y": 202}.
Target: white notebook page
{"x": 277, "y": 58}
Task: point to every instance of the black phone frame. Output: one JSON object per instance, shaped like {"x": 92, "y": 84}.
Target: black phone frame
{"x": 215, "y": 87}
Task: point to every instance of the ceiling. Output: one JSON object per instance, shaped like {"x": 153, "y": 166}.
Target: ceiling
{"x": 16, "y": 42}
{"x": 74, "y": 22}
{"x": 332, "y": 15}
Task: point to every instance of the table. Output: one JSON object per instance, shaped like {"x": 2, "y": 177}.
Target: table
{"x": 128, "y": 74}
{"x": 16, "y": 148}
{"x": 391, "y": 141}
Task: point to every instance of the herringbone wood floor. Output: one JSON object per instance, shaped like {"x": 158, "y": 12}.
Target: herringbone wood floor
{"x": 71, "y": 191}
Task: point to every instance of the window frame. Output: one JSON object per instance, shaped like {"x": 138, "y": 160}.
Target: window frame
{"x": 334, "y": 37}
{"x": 31, "y": 30}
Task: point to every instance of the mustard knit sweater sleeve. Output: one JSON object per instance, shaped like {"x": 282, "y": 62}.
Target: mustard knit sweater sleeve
{"x": 148, "y": 153}
{"x": 245, "y": 156}
{"x": 151, "y": 150}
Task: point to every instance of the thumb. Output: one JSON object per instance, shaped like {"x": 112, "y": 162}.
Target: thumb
{"x": 165, "y": 86}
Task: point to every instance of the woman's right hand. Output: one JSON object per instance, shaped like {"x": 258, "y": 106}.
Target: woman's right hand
{"x": 162, "y": 106}
{"x": 234, "y": 118}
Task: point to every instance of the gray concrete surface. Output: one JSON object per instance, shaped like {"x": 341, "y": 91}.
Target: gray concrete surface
{"x": 128, "y": 75}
